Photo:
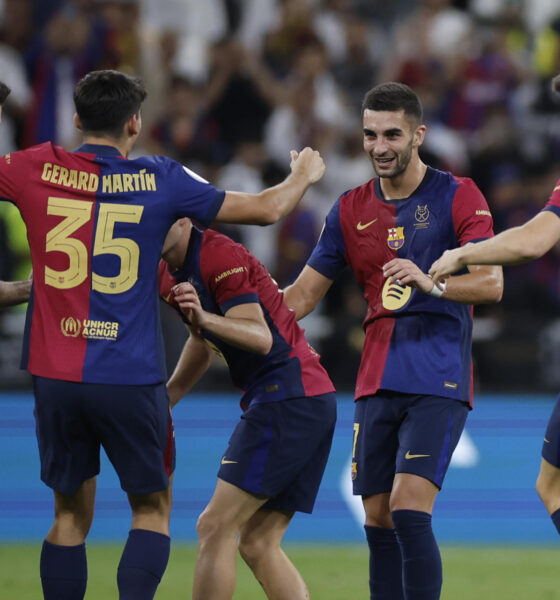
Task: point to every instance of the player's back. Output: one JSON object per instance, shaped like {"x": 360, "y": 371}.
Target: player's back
{"x": 96, "y": 224}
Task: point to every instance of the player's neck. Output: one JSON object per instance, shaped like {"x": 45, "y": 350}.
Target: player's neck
{"x": 404, "y": 184}
{"x": 120, "y": 144}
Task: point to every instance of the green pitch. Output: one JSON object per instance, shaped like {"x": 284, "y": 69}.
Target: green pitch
{"x": 334, "y": 572}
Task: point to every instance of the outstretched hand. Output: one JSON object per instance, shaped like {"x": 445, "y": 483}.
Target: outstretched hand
{"x": 449, "y": 262}
{"x": 308, "y": 162}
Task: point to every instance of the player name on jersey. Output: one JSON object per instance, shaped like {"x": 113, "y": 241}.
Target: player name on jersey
{"x": 110, "y": 184}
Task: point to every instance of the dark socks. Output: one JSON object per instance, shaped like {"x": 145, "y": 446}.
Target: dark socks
{"x": 422, "y": 573}
{"x": 142, "y": 564}
{"x": 63, "y": 571}
{"x": 385, "y": 564}
{"x": 555, "y": 516}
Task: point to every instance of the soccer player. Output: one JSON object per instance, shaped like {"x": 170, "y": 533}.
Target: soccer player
{"x": 96, "y": 223}
{"x": 12, "y": 292}
{"x": 276, "y": 456}
{"x": 512, "y": 247}
{"x": 414, "y": 384}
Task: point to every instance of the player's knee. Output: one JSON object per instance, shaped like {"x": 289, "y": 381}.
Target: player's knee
{"x": 253, "y": 548}
{"x": 210, "y": 525}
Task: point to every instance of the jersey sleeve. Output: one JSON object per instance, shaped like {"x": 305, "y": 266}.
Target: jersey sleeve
{"x": 328, "y": 256}
{"x": 471, "y": 216}
{"x": 228, "y": 277}
{"x": 193, "y": 195}
{"x": 553, "y": 203}
{"x": 13, "y": 176}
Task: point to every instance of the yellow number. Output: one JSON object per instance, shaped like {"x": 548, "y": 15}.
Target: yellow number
{"x": 127, "y": 250}
{"x": 77, "y": 213}
{"x": 356, "y": 431}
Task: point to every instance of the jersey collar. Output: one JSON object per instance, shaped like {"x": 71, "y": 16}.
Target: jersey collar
{"x": 99, "y": 150}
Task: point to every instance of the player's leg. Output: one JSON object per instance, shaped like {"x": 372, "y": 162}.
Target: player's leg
{"x": 63, "y": 555}
{"x": 218, "y": 528}
{"x": 135, "y": 427}
{"x": 146, "y": 552}
{"x": 427, "y": 438}
{"x": 376, "y": 422}
{"x": 548, "y": 488}
{"x": 69, "y": 454}
{"x": 260, "y": 547}
{"x": 548, "y": 481}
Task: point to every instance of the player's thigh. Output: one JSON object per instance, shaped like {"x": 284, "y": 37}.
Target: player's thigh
{"x": 68, "y": 444}
{"x": 428, "y": 436}
{"x": 377, "y": 420}
{"x": 275, "y": 442}
{"x": 551, "y": 442}
{"x": 135, "y": 428}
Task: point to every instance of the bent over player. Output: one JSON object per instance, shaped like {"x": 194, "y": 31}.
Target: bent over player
{"x": 277, "y": 453}
{"x": 414, "y": 384}
{"x": 512, "y": 247}
{"x": 96, "y": 223}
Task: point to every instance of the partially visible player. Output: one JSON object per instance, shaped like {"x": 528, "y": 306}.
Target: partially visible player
{"x": 278, "y": 451}
{"x": 414, "y": 385}
{"x": 512, "y": 247}
{"x": 12, "y": 292}
{"x": 96, "y": 223}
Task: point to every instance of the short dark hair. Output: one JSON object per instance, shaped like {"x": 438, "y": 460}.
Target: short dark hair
{"x": 105, "y": 100}
{"x": 393, "y": 96}
{"x": 4, "y": 92}
{"x": 556, "y": 84}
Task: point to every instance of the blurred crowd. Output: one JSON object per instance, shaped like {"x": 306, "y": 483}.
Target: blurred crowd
{"x": 234, "y": 85}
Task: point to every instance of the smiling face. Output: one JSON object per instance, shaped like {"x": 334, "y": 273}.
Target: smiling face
{"x": 391, "y": 140}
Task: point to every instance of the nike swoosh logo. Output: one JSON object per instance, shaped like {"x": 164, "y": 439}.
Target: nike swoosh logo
{"x": 360, "y": 227}
{"x": 228, "y": 462}
{"x": 546, "y": 441}
{"x": 409, "y": 456}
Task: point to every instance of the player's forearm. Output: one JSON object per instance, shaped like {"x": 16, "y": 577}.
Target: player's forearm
{"x": 193, "y": 362}
{"x": 14, "y": 292}
{"x": 298, "y": 301}
{"x": 247, "y": 334}
{"x": 482, "y": 285}
{"x": 510, "y": 247}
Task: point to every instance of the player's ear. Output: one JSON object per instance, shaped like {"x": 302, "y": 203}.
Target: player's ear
{"x": 134, "y": 125}
{"x": 419, "y": 135}
{"x": 77, "y": 122}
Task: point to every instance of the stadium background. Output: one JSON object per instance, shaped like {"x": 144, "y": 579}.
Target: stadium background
{"x": 234, "y": 84}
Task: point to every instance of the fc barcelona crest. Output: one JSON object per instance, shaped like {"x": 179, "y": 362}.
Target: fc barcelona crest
{"x": 395, "y": 237}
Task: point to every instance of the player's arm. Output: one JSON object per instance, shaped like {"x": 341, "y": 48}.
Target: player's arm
{"x": 242, "y": 326}
{"x": 481, "y": 285}
{"x": 510, "y": 247}
{"x": 193, "y": 362}
{"x": 270, "y": 205}
{"x": 306, "y": 291}
{"x": 14, "y": 292}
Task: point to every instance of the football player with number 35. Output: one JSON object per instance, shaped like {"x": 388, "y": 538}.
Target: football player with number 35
{"x": 96, "y": 223}
{"x": 414, "y": 386}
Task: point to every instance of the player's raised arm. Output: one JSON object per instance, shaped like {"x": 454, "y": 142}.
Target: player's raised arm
{"x": 513, "y": 246}
{"x": 270, "y": 205}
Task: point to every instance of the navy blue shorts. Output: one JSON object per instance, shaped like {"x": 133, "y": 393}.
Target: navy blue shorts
{"x": 403, "y": 433}
{"x": 132, "y": 423}
{"x": 551, "y": 444}
{"x": 279, "y": 450}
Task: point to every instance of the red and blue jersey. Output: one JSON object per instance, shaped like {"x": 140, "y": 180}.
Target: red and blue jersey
{"x": 415, "y": 343}
{"x": 226, "y": 274}
{"x": 96, "y": 223}
{"x": 553, "y": 203}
